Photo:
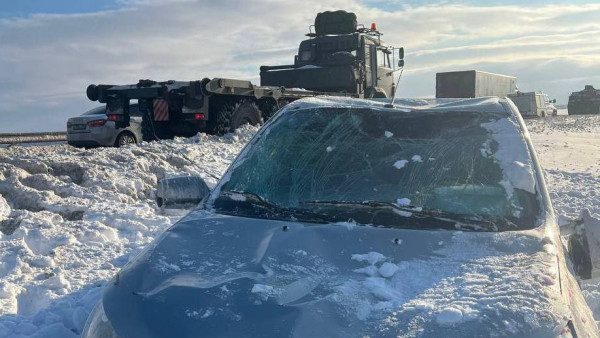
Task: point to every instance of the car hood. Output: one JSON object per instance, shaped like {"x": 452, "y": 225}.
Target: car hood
{"x": 225, "y": 276}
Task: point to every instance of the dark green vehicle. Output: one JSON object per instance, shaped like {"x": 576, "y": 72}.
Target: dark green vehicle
{"x": 340, "y": 58}
{"x": 586, "y": 101}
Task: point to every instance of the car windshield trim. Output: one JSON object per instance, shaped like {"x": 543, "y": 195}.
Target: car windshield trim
{"x": 248, "y": 204}
{"x": 457, "y": 221}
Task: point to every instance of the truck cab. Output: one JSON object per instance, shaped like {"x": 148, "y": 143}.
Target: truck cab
{"x": 339, "y": 56}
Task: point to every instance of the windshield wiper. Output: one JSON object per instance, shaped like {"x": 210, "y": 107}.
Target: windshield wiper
{"x": 253, "y": 205}
{"x": 415, "y": 214}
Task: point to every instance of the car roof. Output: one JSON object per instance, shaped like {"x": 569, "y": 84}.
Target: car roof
{"x": 102, "y": 110}
{"x": 97, "y": 110}
{"x": 490, "y": 104}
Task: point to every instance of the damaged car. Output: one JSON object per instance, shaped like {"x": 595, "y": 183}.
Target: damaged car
{"x": 357, "y": 218}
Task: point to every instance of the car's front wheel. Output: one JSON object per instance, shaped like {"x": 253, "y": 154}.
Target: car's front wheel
{"x": 125, "y": 138}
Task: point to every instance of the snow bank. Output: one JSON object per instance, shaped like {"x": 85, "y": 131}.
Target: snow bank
{"x": 569, "y": 150}
{"x": 70, "y": 218}
{"x": 4, "y": 209}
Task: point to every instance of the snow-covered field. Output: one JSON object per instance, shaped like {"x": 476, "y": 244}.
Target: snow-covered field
{"x": 569, "y": 149}
{"x": 70, "y": 218}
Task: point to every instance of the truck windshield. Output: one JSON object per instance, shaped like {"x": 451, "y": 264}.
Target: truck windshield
{"x": 354, "y": 163}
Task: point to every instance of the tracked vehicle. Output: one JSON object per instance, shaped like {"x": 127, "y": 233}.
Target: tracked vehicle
{"x": 586, "y": 101}
{"x": 339, "y": 58}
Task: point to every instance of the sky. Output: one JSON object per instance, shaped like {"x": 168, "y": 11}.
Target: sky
{"x": 50, "y": 51}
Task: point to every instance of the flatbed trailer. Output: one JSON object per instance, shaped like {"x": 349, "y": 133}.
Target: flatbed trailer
{"x": 340, "y": 58}
{"x": 184, "y": 108}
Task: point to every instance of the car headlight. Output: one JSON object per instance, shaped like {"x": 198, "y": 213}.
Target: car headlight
{"x": 98, "y": 325}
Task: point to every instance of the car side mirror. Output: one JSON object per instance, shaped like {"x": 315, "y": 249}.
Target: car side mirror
{"x": 182, "y": 192}
{"x": 583, "y": 244}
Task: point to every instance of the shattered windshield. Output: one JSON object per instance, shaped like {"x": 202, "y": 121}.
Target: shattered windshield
{"x": 388, "y": 167}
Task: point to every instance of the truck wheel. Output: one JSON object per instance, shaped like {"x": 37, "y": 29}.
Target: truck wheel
{"x": 230, "y": 117}
{"x": 269, "y": 108}
{"x": 555, "y": 113}
{"x": 543, "y": 114}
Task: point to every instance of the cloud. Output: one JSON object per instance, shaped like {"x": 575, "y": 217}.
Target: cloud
{"x": 47, "y": 61}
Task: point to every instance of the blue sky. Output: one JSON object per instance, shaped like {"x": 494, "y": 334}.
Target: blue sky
{"x": 24, "y": 8}
{"x": 51, "y": 50}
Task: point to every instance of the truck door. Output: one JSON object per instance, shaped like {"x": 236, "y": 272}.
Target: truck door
{"x": 370, "y": 76}
{"x": 373, "y": 65}
{"x": 384, "y": 72}
{"x": 539, "y": 105}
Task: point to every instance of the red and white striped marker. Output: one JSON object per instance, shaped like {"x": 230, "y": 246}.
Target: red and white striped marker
{"x": 161, "y": 110}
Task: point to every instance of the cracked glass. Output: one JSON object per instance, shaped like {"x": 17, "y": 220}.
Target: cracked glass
{"x": 431, "y": 160}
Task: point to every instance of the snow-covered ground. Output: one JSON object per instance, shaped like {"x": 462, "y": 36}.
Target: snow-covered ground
{"x": 70, "y": 218}
{"x": 569, "y": 149}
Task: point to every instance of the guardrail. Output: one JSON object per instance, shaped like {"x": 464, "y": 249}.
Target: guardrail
{"x": 14, "y": 138}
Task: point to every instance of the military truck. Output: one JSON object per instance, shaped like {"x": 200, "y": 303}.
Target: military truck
{"x": 586, "y": 101}
{"x": 534, "y": 104}
{"x": 340, "y": 57}
{"x": 473, "y": 83}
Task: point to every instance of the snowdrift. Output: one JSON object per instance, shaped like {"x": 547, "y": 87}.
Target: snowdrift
{"x": 70, "y": 218}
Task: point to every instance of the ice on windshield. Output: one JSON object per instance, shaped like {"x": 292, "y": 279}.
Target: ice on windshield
{"x": 475, "y": 164}
{"x": 511, "y": 155}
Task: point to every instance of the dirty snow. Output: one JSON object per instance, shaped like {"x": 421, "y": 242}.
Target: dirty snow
{"x": 70, "y": 218}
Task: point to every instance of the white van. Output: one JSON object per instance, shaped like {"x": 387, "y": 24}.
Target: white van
{"x": 534, "y": 104}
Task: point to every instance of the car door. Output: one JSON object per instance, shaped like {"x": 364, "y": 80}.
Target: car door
{"x": 135, "y": 122}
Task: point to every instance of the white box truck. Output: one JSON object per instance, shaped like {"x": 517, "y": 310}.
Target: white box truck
{"x": 473, "y": 83}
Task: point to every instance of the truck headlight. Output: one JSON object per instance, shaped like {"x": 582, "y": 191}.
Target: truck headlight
{"x": 98, "y": 325}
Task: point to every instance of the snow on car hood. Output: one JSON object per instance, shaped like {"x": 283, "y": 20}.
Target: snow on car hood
{"x": 229, "y": 276}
